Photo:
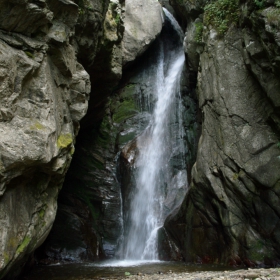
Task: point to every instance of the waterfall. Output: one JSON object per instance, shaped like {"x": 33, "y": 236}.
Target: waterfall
{"x": 161, "y": 142}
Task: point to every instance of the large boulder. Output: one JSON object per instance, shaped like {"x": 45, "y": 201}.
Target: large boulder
{"x": 143, "y": 23}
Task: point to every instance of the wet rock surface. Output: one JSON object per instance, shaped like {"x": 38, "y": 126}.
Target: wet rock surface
{"x": 230, "y": 214}
{"x": 44, "y": 94}
{"x": 263, "y": 274}
{"x": 89, "y": 223}
{"x": 238, "y": 274}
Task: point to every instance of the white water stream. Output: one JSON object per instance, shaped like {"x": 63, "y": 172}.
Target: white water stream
{"x": 155, "y": 151}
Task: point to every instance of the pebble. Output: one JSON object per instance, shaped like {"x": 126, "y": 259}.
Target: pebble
{"x": 242, "y": 274}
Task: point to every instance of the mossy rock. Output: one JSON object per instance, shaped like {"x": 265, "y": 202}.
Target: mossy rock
{"x": 37, "y": 126}
{"x": 64, "y": 140}
{"x": 23, "y": 245}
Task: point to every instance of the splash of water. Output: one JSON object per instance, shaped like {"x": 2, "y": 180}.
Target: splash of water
{"x": 156, "y": 147}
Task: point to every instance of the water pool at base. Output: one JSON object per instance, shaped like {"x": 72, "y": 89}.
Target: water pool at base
{"x": 114, "y": 269}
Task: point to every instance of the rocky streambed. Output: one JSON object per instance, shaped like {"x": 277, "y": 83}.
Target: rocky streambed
{"x": 157, "y": 271}
{"x": 257, "y": 274}
{"x": 242, "y": 274}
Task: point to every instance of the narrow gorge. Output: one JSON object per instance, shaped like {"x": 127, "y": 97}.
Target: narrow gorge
{"x": 127, "y": 136}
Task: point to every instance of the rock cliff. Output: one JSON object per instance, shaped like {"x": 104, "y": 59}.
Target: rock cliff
{"x": 89, "y": 223}
{"x": 44, "y": 93}
{"x": 231, "y": 213}
{"x": 56, "y": 55}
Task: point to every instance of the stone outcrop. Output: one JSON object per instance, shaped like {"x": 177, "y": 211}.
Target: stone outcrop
{"x": 140, "y": 33}
{"x": 50, "y": 53}
{"x": 231, "y": 212}
{"x": 44, "y": 94}
{"x": 91, "y": 196}
{"x": 89, "y": 223}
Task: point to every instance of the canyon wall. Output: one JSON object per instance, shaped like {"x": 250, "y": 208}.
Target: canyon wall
{"x": 76, "y": 65}
{"x": 231, "y": 213}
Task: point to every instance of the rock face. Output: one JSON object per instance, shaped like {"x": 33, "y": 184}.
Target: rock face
{"x": 89, "y": 224}
{"x": 140, "y": 33}
{"x": 44, "y": 93}
{"x": 231, "y": 213}
{"x": 91, "y": 196}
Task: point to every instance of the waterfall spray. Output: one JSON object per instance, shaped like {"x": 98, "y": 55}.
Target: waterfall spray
{"x": 156, "y": 148}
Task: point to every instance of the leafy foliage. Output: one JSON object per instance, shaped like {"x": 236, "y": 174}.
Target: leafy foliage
{"x": 220, "y": 14}
{"x": 198, "y": 32}
{"x": 259, "y": 3}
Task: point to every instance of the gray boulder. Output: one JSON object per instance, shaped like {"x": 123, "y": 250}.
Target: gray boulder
{"x": 143, "y": 22}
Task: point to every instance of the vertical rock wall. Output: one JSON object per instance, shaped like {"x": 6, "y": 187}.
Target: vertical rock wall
{"x": 44, "y": 94}
{"x": 231, "y": 213}
{"x": 89, "y": 224}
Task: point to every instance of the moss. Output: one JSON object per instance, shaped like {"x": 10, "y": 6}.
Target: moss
{"x": 84, "y": 5}
{"x": 37, "y": 126}
{"x": 220, "y": 14}
{"x": 235, "y": 176}
{"x": 6, "y": 258}
{"x": 42, "y": 213}
{"x": 117, "y": 19}
{"x": 127, "y": 108}
{"x": 12, "y": 243}
{"x": 23, "y": 245}
{"x": 64, "y": 140}
{"x": 2, "y": 167}
{"x": 259, "y": 251}
{"x": 126, "y": 138}
{"x": 259, "y": 4}
{"x": 72, "y": 151}
{"x": 198, "y": 32}
{"x": 29, "y": 54}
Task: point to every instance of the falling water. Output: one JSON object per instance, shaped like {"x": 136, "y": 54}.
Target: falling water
{"x": 156, "y": 147}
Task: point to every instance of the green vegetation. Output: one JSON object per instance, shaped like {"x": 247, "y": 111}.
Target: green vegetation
{"x": 83, "y": 6}
{"x": 126, "y": 108}
{"x": 127, "y": 273}
{"x": 72, "y": 151}
{"x": 198, "y": 32}
{"x": 6, "y": 258}
{"x": 278, "y": 145}
{"x": 273, "y": 17}
{"x": 23, "y": 245}
{"x": 64, "y": 140}
{"x": 36, "y": 126}
{"x": 259, "y": 4}
{"x": 117, "y": 19}
{"x": 220, "y": 14}
{"x": 1, "y": 165}
{"x": 235, "y": 176}
{"x": 42, "y": 213}
{"x": 181, "y": 2}
{"x": 29, "y": 54}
